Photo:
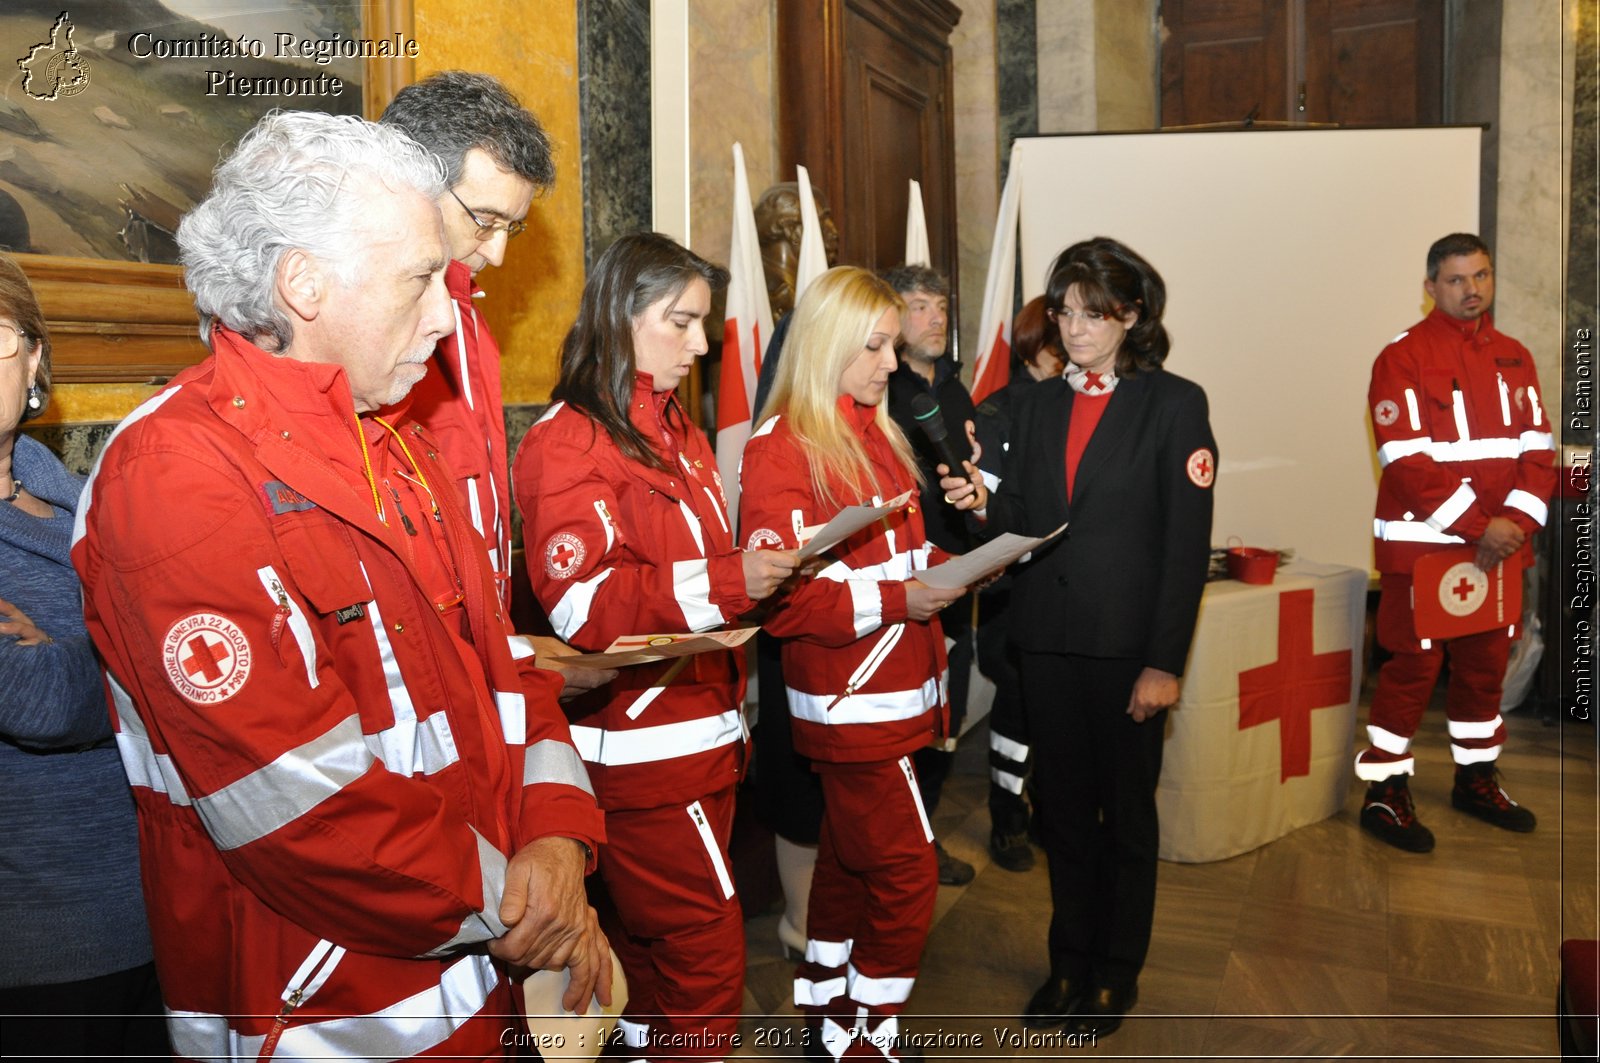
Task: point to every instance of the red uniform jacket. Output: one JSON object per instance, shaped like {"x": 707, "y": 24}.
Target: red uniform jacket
{"x": 1462, "y": 436}
{"x": 864, "y": 682}
{"x": 458, "y": 402}
{"x": 330, "y": 770}
{"x": 616, "y": 548}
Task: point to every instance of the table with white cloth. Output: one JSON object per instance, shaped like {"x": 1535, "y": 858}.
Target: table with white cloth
{"x": 1260, "y": 742}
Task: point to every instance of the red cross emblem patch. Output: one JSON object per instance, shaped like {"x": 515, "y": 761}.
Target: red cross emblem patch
{"x": 563, "y": 554}
{"x": 207, "y": 658}
{"x": 765, "y": 539}
{"x": 1202, "y": 467}
{"x": 1463, "y": 589}
{"x": 1386, "y": 413}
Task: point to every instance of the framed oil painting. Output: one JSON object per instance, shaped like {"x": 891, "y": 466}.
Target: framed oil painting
{"x": 112, "y": 117}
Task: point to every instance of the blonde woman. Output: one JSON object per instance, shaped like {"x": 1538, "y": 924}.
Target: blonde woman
{"x": 863, "y": 654}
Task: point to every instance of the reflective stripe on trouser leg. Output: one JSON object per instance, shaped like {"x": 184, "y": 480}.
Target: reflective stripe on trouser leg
{"x": 875, "y": 885}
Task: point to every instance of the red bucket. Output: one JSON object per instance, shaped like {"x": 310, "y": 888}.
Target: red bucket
{"x": 1249, "y": 564}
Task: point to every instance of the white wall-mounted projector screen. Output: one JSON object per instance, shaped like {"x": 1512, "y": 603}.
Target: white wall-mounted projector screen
{"x": 1291, "y": 258}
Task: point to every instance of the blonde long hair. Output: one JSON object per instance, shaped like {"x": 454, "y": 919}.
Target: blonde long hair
{"x": 831, "y": 324}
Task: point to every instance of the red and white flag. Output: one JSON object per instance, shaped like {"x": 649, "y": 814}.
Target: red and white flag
{"x": 993, "y": 369}
{"x": 813, "y": 255}
{"x": 917, "y": 253}
{"x": 746, "y": 328}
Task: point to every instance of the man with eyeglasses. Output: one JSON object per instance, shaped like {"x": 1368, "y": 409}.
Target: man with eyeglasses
{"x": 497, "y": 158}
{"x": 1468, "y": 458}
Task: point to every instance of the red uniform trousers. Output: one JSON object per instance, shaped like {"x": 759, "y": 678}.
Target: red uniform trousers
{"x": 871, "y": 905}
{"x": 676, "y": 926}
{"x": 1407, "y": 679}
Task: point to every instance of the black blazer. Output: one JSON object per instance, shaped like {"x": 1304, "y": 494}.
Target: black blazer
{"x": 1124, "y": 580}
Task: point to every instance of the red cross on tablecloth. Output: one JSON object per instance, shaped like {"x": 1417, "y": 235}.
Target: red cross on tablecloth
{"x": 1288, "y": 689}
{"x": 205, "y": 656}
{"x": 1463, "y": 590}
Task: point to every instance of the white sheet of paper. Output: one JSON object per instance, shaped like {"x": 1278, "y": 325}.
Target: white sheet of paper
{"x": 975, "y": 564}
{"x": 847, "y": 522}
{"x": 643, "y": 649}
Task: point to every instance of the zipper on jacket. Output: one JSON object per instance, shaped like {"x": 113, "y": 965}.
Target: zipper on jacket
{"x": 871, "y": 663}
{"x": 311, "y": 976}
{"x": 280, "y": 616}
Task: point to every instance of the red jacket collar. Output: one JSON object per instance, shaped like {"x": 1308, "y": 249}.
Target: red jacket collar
{"x": 1480, "y": 328}
{"x": 856, "y": 415}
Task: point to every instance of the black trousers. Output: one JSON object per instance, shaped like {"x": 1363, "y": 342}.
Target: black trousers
{"x": 112, "y": 1016}
{"x": 1095, "y": 772}
{"x": 998, "y": 658}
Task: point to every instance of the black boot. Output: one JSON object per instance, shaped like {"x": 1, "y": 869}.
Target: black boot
{"x": 1477, "y": 793}
{"x": 1389, "y": 815}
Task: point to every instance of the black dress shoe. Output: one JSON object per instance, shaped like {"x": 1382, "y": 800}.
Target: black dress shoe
{"x": 1054, "y": 1002}
{"x": 1101, "y": 1011}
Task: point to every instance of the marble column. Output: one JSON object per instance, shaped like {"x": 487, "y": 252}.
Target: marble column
{"x": 614, "y": 104}
{"x": 1066, "y": 47}
{"x": 1016, "y": 51}
{"x": 976, "y": 59}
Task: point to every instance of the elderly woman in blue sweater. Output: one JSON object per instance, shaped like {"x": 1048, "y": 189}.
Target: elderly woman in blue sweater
{"x": 76, "y": 976}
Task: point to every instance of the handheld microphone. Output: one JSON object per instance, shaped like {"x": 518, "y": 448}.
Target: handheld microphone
{"x": 948, "y": 451}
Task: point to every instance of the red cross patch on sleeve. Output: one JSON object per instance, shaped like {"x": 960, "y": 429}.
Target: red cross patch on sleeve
{"x": 764, "y": 539}
{"x": 207, "y": 657}
{"x": 563, "y": 554}
{"x": 1202, "y": 467}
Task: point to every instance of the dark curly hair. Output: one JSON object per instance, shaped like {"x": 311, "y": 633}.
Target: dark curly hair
{"x": 454, "y": 111}
{"x": 1113, "y": 279}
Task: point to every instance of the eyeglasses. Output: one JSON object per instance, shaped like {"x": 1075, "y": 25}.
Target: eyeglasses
{"x": 487, "y": 229}
{"x": 11, "y": 340}
{"x": 1065, "y": 315}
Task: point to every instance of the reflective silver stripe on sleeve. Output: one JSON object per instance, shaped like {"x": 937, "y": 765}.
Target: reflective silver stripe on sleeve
{"x": 140, "y": 762}
{"x": 298, "y": 625}
{"x": 572, "y": 611}
{"x": 1450, "y": 509}
{"x": 866, "y": 601}
{"x": 1396, "y": 449}
{"x": 1475, "y": 449}
{"x": 876, "y": 707}
{"x": 1411, "y": 531}
{"x": 1529, "y": 503}
{"x": 402, "y": 1030}
{"x": 550, "y": 761}
{"x": 1536, "y": 441}
{"x": 708, "y": 838}
{"x": 916, "y": 799}
{"x": 646, "y": 745}
{"x": 691, "y": 586}
{"x": 277, "y": 794}
{"x": 1411, "y": 409}
{"x": 484, "y": 924}
{"x": 694, "y": 526}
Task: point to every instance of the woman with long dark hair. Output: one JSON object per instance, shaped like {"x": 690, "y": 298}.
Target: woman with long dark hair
{"x": 863, "y": 655}
{"x": 627, "y": 533}
{"x": 1121, "y": 451}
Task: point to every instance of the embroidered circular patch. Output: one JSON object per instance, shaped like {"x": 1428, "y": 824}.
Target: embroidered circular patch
{"x": 1521, "y": 396}
{"x": 764, "y": 539}
{"x": 207, "y": 657}
{"x": 1463, "y": 589}
{"x": 1202, "y": 467}
{"x": 563, "y": 553}
{"x": 1386, "y": 413}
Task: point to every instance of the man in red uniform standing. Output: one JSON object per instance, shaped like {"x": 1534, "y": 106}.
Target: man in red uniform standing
{"x": 359, "y": 805}
{"x": 497, "y": 158}
{"x": 1468, "y": 458}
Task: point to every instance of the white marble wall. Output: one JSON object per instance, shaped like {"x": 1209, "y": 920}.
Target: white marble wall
{"x": 972, "y": 49}
{"x": 1067, "y": 96}
{"x": 1535, "y": 113}
{"x": 1125, "y": 64}
{"x": 732, "y": 98}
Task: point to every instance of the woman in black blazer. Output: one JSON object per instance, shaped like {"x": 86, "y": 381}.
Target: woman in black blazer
{"x": 1122, "y": 452}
